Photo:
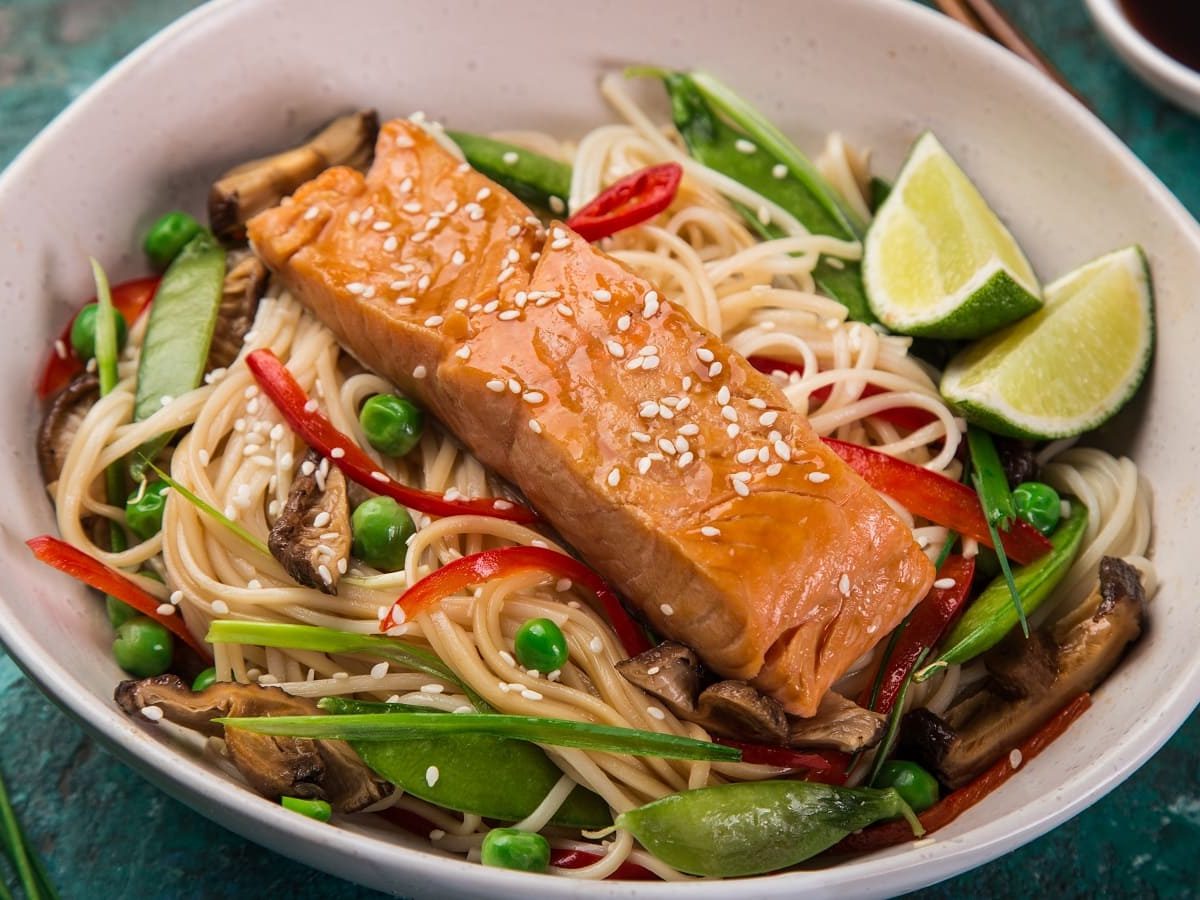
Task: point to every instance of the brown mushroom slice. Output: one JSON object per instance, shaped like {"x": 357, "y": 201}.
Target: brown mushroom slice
{"x": 273, "y": 766}
{"x": 839, "y": 724}
{"x": 734, "y": 709}
{"x": 61, "y": 423}
{"x": 1024, "y": 688}
{"x": 311, "y": 537}
{"x": 245, "y": 283}
{"x": 670, "y": 672}
{"x": 248, "y": 189}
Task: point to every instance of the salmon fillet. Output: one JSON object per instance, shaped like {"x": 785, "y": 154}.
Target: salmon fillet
{"x": 677, "y": 470}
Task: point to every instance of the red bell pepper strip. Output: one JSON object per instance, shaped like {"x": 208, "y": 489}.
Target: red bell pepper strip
{"x": 938, "y": 499}
{"x": 74, "y": 562}
{"x": 631, "y": 201}
{"x": 129, "y": 299}
{"x": 950, "y": 807}
{"x": 318, "y": 432}
{"x": 477, "y": 568}
{"x": 827, "y": 767}
{"x": 910, "y": 418}
{"x": 929, "y": 623}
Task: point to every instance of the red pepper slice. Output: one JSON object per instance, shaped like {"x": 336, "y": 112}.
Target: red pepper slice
{"x": 929, "y": 623}
{"x": 477, "y": 568}
{"x": 938, "y": 499}
{"x": 74, "y": 562}
{"x": 910, "y": 418}
{"x": 828, "y": 767}
{"x": 129, "y": 299}
{"x": 318, "y": 432}
{"x": 631, "y": 201}
{"x": 949, "y": 808}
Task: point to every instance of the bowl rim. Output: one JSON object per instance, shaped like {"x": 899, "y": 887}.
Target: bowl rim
{"x": 1141, "y": 52}
{"x": 234, "y": 807}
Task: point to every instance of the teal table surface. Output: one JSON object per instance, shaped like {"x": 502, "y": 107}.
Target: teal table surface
{"x": 106, "y": 833}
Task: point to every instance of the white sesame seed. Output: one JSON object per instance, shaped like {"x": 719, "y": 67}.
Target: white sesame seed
{"x": 533, "y": 396}
{"x": 382, "y": 225}
{"x": 432, "y": 688}
{"x": 745, "y": 146}
{"x": 595, "y": 645}
{"x": 1064, "y": 508}
{"x": 640, "y": 436}
{"x": 220, "y": 607}
{"x": 944, "y": 584}
{"x": 514, "y": 385}
{"x": 623, "y": 323}
{"x": 666, "y": 446}
{"x": 560, "y": 244}
{"x": 482, "y": 194}
{"x": 723, "y": 395}
{"x": 643, "y": 465}
{"x": 563, "y": 584}
{"x": 431, "y": 775}
{"x": 704, "y": 355}
{"x": 531, "y": 695}
{"x": 501, "y": 504}
{"x": 564, "y": 310}
{"x": 650, "y": 304}
{"x": 729, "y": 413}
{"x": 614, "y": 477}
{"x": 1014, "y": 757}
{"x": 434, "y": 321}
{"x": 732, "y": 429}
{"x": 748, "y": 455}
{"x": 458, "y": 257}
{"x": 510, "y": 158}
{"x": 682, "y": 445}
{"x": 648, "y": 409}
{"x": 784, "y": 452}
{"x": 715, "y": 369}
{"x": 379, "y": 669}
{"x": 509, "y": 314}
{"x": 337, "y": 453}
{"x": 767, "y": 419}
{"x": 779, "y": 170}
{"x": 615, "y": 348}
{"x": 153, "y": 713}
{"x": 321, "y": 519}
{"x": 764, "y": 454}
{"x": 310, "y": 406}
{"x": 356, "y": 287}
{"x": 463, "y": 352}
{"x": 176, "y": 597}
{"x": 667, "y": 609}
{"x": 405, "y": 301}
{"x": 710, "y": 531}
{"x": 774, "y": 469}
{"x": 535, "y": 426}
{"x": 496, "y": 386}
{"x": 556, "y": 205}
{"x": 166, "y": 609}
{"x": 491, "y": 306}
{"x": 844, "y": 585}
{"x": 818, "y": 477}
{"x": 741, "y": 488}
{"x": 380, "y": 476}
{"x": 636, "y": 363}
{"x": 601, "y": 296}
{"x": 685, "y": 459}
{"x": 655, "y": 713}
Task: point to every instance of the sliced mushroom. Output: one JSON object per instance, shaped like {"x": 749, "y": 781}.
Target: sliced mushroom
{"x": 1029, "y": 680}
{"x": 245, "y": 283}
{"x": 61, "y": 423}
{"x": 273, "y": 766}
{"x": 839, "y": 724}
{"x": 736, "y": 710}
{"x": 670, "y": 672}
{"x": 248, "y": 189}
{"x": 312, "y": 534}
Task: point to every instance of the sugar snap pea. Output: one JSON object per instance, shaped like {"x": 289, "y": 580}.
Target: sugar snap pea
{"x": 536, "y": 179}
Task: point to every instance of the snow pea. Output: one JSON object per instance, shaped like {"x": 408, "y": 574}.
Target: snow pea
{"x": 496, "y": 778}
{"x": 748, "y": 828}
{"x": 537, "y": 180}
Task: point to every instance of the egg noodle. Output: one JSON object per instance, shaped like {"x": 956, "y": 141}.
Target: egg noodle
{"x": 759, "y": 296}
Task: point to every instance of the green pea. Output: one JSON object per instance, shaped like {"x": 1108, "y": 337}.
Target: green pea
{"x": 1038, "y": 504}
{"x": 392, "y": 424}
{"x": 508, "y": 848}
{"x": 143, "y": 647}
{"x": 168, "y": 236}
{"x": 144, "y": 509}
{"x": 540, "y": 645}
{"x": 207, "y": 678}
{"x": 314, "y": 809}
{"x": 381, "y": 528}
{"x": 83, "y": 331}
{"x": 917, "y": 787}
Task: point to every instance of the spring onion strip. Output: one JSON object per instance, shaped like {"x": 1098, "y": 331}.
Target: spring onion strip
{"x": 893, "y": 726}
{"x": 555, "y": 732}
{"x": 1007, "y": 570}
{"x": 205, "y": 507}
{"x": 106, "y": 369}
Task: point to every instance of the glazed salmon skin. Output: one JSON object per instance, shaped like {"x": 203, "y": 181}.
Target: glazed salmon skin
{"x": 677, "y": 470}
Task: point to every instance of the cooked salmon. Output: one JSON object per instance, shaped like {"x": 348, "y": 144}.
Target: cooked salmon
{"x": 676, "y": 469}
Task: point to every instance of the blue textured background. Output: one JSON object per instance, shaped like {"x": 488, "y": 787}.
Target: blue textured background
{"x": 106, "y": 833}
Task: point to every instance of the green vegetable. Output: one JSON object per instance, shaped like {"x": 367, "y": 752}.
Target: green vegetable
{"x": 540, "y": 644}
{"x": 205, "y": 679}
{"x": 168, "y": 236}
{"x": 747, "y": 828}
{"x": 118, "y": 612}
{"x": 144, "y": 509}
{"x": 392, "y": 424}
{"x": 24, "y": 859}
{"x": 207, "y": 508}
{"x": 917, "y": 787}
{"x": 314, "y": 809}
{"x": 143, "y": 647}
{"x": 1038, "y": 504}
{"x": 106, "y": 351}
{"x": 893, "y": 723}
{"x": 991, "y": 484}
{"x": 878, "y": 189}
{"x": 538, "y": 180}
{"x": 556, "y": 732}
{"x": 705, "y": 113}
{"x": 508, "y": 848}
{"x": 178, "y": 333}
{"x": 992, "y": 615}
{"x": 382, "y": 529}
{"x": 83, "y": 331}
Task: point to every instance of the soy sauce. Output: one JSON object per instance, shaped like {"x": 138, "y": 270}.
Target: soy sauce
{"x": 1171, "y": 25}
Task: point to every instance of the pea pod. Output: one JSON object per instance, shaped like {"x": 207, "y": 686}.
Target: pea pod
{"x": 538, "y": 180}
{"x": 748, "y": 828}
{"x": 698, "y": 102}
{"x": 489, "y": 776}
{"x": 992, "y": 615}
{"x": 179, "y": 332}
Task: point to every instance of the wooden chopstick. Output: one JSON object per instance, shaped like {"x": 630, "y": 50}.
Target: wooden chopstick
{"x": 984, "y": 17}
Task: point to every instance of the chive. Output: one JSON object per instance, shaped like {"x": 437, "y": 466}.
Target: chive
{"x": 18, "y": 852}
{"x": 893, "y": 726}
{"x": 326, "y": 640}
{"x": 991, "y": 484}
{"x": 1006, "y": 569}
{"x": 556, "y": 732}
{"x": 205, "y": 507}
{"x": 106, "y": 368}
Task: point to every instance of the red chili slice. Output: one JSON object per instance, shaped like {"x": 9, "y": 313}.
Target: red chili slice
{"x": 631, "y": 201}
{"x": 318, "y": 432}
{"x": 828, "y": 767}
{"x": 477, "y": 568}
{"x": 74, "y": 562}
{"x": 129, "y": 299}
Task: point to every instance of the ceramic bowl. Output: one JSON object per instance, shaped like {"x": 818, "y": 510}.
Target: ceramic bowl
{"x": 233, "y": 80}
{"x": 1163, "y": 73}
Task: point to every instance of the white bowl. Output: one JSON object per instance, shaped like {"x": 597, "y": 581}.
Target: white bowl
{"x": 1163, "y": 73}
{"x": 234, "y": 79}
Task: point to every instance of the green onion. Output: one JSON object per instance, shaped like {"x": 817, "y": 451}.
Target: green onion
{"x": 991, "y": 484}
{"x": 326, "y": 640}
{"x": 207, "y": 508}
{"x": 947, "y": 549}
{"x": 106, "y": 368}
{"x": 556, "y": 732}
{"x": 893, "y": 726}
{"x": 1013, "y": 591}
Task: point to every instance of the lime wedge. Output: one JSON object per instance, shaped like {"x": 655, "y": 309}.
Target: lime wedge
{"x": 937, "y": 262}
{"x": 1068, "y": 367}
